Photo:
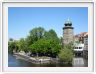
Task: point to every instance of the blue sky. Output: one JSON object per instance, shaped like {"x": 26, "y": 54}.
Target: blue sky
{"x": 22, "y": 19}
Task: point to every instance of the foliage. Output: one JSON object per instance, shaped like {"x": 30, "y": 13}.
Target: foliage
{"x": 10, "y": 39}
{"x": 66, "y": 54}
{"x": 45, "y": 47}
{"x": 38, "y": 41}
{"x": 37, "y": 33}
{"x": 23, "y": 45}
{"x": 51, "y": 34}
{"x": 12, "y": 45}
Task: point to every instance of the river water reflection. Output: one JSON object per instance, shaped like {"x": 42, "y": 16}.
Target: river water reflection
{"x": 77, "y": 62}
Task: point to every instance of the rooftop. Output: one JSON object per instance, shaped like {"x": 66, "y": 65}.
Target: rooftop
{"x": 68, "y": 21}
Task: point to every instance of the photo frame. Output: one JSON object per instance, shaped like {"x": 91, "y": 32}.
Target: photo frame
{"x": 0, "y": 37}
{"x": 90, "y": 6}
{"x": 50, "y": 73}
{"x": 94, "y": 37}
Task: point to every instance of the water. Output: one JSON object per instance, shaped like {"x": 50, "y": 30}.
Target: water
{"x": 79, "y": 62}
{"x": 14, "y": 62}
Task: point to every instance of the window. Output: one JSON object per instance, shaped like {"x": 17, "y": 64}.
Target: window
{"x": 76, "y": 47}
{"x": 80, "y": 47}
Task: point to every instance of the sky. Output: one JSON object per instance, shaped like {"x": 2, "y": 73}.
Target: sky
{"x": 22, "y": 19}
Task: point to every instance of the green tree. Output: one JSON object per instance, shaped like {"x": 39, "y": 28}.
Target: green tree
{"x": 39, "y": 46}
{"x": 11, "y": 39}
{"x": 39, "y": 42}
{"x": 34, "y": 35}
{"x": 45, "y": 47}
{"x": 29, "y": 40}
{"x": 51, "y": 34}
{"x": 37, "y": 33}
{"x": 66, "y": 54}
{"x": 22, "y": 45}
{"x": 13, "y": 46}
{"x": 55, "y": 47}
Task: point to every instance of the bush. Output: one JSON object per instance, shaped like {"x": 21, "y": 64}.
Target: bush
{"x": 66, "y": 55}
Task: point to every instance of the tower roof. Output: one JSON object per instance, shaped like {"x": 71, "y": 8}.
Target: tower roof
{"x": 68, "y": 21}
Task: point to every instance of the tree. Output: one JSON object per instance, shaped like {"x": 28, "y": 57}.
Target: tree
{"x": 51, "y": 34}
{"x": 13, "y": 46}
{"x": 11, "y": 39}
{"x": 46, "y": 47}
{"x": 21, "y": 44}
{"x": 29, "y": 40}
{"x": 66, "y": 54}
{"x": 55, "y": 47}
{"x": 38, "y": 42}
{"x": 39, "y": 46}
{"x": 37, "y": 33}
{"x": 34, "y": 35}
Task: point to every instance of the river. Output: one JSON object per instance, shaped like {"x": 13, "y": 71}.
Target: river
{"x": 14, "y": 62}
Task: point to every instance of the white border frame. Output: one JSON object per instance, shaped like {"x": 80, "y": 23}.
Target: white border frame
{"x": 0, "y": 36}
{"x": 48, "y": 0}
{"x": 94, "y": 36}
{"x": 5, "y": 6}
{"x": 49, "y": 73}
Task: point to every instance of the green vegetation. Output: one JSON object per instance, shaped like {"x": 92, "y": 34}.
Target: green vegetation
{"x": 12, "y": 45}
{"x": 40, "y": 42}
{"x": 66, "y": 54}
{"x": 47, "y": 47}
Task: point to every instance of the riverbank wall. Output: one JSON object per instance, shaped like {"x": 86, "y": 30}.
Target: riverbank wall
{"x": 32, "y": 59}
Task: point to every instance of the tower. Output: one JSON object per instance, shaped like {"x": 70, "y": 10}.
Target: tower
{"x": 68, "y": 33}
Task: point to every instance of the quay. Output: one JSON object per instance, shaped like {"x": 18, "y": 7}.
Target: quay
{"x": 32, "y": 59}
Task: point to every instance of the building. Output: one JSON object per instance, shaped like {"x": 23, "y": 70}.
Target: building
{"x": 86, "y": 41}
{"x": 76, "y": 38}
{"x": 78, "y": 49}
{"x": 80, "y": 37}
{"x": 85, "y": 52}
{"x": 68, "y": 33}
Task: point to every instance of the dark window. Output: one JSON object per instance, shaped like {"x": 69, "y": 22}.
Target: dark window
{"x": 76, "y": 47}
{"x": 80, "y": 47}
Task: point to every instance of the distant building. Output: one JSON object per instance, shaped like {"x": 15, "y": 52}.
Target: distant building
{"x": 85, "y": 52}
{"x": 68, "y": 33}
{"x": 78, "y": 49}
{"x": 80, "y": 37}
{"x": 76, "y": 38}
{"x": 86, "y": 41}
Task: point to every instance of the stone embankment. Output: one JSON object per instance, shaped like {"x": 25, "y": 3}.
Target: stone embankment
{"x": 34, "y": 60}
